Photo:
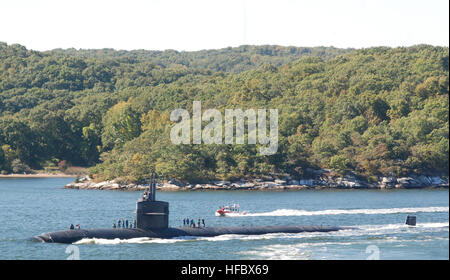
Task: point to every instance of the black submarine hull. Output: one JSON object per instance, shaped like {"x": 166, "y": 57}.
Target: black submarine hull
{"x": 71, "y": 236}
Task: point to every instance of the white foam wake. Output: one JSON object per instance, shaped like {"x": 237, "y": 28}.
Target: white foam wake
{"x": 140, "y": 240}
{"x": 320, "y": 245}
{"x": 295, "y": 212}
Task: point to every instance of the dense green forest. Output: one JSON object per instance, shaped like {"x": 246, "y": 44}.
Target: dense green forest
{"x": 227, "y": 60}
{"x": 376, "y": 111}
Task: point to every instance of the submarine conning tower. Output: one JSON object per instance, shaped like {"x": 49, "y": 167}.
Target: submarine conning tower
{"x": 152, "y": 214}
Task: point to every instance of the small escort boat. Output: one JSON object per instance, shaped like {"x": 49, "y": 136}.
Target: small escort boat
{"x": 233, "y": 210}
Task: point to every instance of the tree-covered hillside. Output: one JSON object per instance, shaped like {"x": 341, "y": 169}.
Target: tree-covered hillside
{"x": 376, "y": 111}
{"x": 228, "y": 59}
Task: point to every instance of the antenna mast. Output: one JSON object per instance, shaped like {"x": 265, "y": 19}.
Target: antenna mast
{"x": 153, "y": 187}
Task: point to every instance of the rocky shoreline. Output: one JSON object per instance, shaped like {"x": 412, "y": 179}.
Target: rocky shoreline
{"x": 322, "y": 182}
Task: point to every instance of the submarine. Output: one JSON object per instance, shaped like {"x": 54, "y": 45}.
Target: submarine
{"x": 152, "y": 221}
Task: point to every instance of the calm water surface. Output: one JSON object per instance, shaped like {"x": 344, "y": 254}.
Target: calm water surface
{"x": 29, "y": 207}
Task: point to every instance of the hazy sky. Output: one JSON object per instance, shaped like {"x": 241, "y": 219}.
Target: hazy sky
{"x": 207, "y": 24}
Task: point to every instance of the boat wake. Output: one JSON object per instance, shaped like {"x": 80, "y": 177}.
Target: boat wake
{"x": 140, "y": 240}
{"x": 295, "y": 212}
{"x": 355, "y": 242}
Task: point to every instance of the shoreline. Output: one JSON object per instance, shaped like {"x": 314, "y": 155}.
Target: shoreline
{"x": 324, "y": 183}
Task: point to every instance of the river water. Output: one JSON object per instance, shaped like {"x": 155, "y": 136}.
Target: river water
{"x": 29, "y": 207}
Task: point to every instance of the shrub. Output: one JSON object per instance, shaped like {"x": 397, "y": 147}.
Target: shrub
{"x": 18, "y": 166}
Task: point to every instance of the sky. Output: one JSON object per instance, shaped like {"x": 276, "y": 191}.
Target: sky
{"x": 210, "y": 24}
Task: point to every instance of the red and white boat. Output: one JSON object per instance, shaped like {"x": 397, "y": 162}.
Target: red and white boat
{"x": 233, "y": 210}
